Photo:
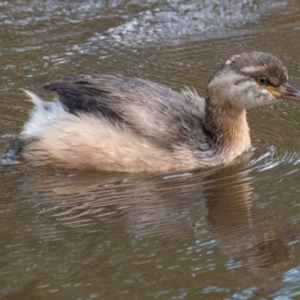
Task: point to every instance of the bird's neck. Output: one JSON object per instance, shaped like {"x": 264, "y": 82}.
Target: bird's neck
{"x": 227, "y": 128}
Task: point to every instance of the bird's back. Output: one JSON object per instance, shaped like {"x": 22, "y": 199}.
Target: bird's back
{"x": 116, "y": 123}
{"x": 147, "y": 108}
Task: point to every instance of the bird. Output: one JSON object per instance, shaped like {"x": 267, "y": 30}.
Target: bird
{"x": 121, "y": 124}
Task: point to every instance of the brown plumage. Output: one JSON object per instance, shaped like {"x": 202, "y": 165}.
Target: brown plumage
{"x": 128, "y": 124}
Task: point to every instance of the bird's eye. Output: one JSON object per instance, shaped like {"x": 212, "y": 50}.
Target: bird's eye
{"x": 262, "y": 80}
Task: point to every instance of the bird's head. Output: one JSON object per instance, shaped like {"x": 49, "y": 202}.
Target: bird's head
{"x": 251, "y": 79}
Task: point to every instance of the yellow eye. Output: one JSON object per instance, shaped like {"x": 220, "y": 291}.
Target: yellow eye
{"x": 262, "y": 80}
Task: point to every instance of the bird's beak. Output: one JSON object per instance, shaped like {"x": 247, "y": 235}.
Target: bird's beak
{"x": 284, "y": 91}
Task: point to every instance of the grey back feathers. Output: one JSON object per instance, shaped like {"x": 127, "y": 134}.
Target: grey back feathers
{"x": 154, "y": 111}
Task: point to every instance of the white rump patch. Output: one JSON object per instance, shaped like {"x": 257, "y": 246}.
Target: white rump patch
{"x": 43, "y": 112}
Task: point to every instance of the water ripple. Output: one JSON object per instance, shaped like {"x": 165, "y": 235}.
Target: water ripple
{"x": 276, "y": 140}
{"x": 178, "y": 20}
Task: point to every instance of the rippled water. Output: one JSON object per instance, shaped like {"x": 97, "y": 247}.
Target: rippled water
{"x": 222, "y": 233}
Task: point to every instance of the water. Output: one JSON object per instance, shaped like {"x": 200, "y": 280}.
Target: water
{"x": 222, "y": 233}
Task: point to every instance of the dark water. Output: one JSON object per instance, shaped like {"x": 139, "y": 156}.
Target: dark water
{"x": 223, "y": 233}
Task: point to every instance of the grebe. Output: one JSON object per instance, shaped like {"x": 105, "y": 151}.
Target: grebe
{"x": 115, "y": 123}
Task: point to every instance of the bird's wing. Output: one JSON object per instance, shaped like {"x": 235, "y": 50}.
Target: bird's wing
{"x": 147, "y": 108}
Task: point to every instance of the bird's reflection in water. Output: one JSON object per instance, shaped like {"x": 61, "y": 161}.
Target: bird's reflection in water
{"x": 257, "y": 248}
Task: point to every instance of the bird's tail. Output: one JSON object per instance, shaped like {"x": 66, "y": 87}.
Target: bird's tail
{"x": 34, "y": 98}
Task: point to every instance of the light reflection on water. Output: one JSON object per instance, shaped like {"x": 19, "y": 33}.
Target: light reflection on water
{"x": 220, "y": 233}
